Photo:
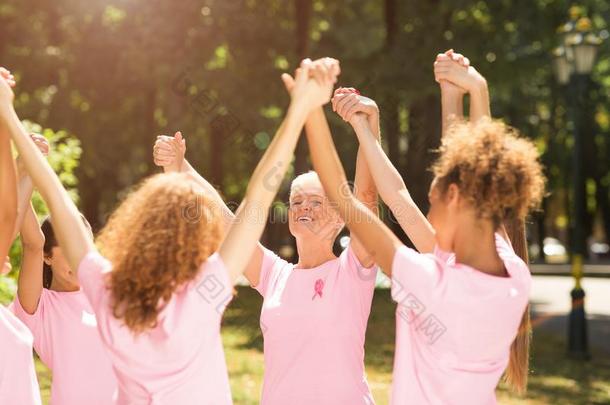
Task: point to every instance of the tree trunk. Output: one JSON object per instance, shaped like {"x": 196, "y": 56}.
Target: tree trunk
{"x": 424, "y": 136}
{"x": 303, "y": 10}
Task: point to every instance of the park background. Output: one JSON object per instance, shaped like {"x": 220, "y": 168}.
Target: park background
{"x": 102, "y": 78}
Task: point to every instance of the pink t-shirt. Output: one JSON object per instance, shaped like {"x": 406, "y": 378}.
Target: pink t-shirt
{"x": 18, "y": 383}
{"x": 181, "y": 360}
{"x": 454, "y": 326}
{"x": 314, "y": 324}
{"x": 66, "y": 339}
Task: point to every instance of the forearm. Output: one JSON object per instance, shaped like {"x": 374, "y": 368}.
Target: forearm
{"x": 383, "y": 173}
{"x": 31, "y": 235}
{"x": 24, "y": 194}
{"x": 394, "y": 192}
{"x": 479, "y": 102}
{"x": 268, "y": 175}
{"x": 361, "y": 221}
{"x": 8, "y": 194}
{"x": 366, "y": 192}
{"x": 71, "y": 233}
{"x": 364, "y": 184}
{"x": 452, "y": 108}
{"x": 243, "y": 236}
{"x": 227, "y": 215}
{"x": 30, "y": 276}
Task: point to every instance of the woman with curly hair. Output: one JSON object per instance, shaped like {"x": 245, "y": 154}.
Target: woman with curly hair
{"x": 460, "y": 303}
{"x": 457, "y": 78}
{"x": 166, "y": 273}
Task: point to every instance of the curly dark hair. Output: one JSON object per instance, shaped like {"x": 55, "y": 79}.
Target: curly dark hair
{"x": 495, "y": 169}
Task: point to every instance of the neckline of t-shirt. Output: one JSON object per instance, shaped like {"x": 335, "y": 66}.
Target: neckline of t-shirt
{"x": 79, "y": 291}
{"x": 510, "y": 278}
{"x": 317, "y": 268}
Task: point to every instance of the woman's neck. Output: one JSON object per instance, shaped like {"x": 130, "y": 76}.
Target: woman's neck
{"x": 475, "y": 246}
{"x": 63, "y": 286}
{"x": 313, "y": 253}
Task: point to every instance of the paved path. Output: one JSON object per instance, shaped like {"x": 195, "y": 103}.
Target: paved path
{"x": 551, "y": 303}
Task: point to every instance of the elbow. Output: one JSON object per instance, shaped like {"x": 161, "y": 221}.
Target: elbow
{"x": 33, "y": 243}
{"x": 33, "y": 246}
{"x": 368, "y": 195}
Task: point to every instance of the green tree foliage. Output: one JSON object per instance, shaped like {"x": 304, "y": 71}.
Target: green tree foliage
{"x": 120, "y": 72}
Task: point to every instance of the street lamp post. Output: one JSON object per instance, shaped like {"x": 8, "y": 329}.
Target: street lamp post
{"x": 573, "y": 63}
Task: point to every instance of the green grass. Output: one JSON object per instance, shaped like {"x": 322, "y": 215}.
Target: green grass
{"x": 554, "y": 379}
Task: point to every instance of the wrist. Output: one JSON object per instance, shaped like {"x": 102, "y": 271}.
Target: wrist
{"x": 298, "y": 106}
{"x": 171, "y": 169}
{"x": 452, "y": 92}
{"x": 7, "y": 112}
{"x": 298, "y": 109}
{"x": 478, "y": 86}
{"x": 359, "y": 121}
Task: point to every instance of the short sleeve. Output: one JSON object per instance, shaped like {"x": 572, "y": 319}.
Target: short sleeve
{"x": 366, "y": 276}
{"x": 214, "y": 284}
{"x": 270, "y": 263}
{"x": 415, "y": 276}
{"x": 32, "y": 321}
{"x": 91, "y": 274}
{"x": 35, "y": 323}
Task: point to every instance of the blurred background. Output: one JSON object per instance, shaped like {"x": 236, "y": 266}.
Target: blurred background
{"x": 102, "y": 78}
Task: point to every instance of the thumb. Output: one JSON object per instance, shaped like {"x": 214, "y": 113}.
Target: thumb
{"x": 178, "y": 136}
{"x": 288, "y": 81}
{"x": 301, "y": 75}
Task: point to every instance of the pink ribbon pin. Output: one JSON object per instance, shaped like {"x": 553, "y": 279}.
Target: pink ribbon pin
{"x": 318, "y": 287}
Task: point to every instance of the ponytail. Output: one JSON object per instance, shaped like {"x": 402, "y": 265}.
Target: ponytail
{"x": 518, "y": 366}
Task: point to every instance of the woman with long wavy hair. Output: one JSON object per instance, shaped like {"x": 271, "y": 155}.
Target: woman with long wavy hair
{"x": 164, "y": 273}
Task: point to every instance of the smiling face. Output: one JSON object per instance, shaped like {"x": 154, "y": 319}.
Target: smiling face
{"x": 311, "y": 215}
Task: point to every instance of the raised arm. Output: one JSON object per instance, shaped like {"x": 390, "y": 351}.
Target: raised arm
{"x": 468, "y": 78}
{"x": 308, "y": 93}
{"x": 388, "y": 180}
{"x": 452, "y": 96}
{"x": 30, "y": 276}
{"x": 363, "y": 223}
{"x": 168, "y": 153}
{"x": 8, "y": 177}
{"x": 29, "y": 285}
{"x": 71, "y": 233}
{"x": 364, "y": 185}
{"x": 26, "y": 187}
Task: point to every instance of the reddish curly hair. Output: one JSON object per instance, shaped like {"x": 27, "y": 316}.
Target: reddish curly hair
{"x": 496, "y": 170}
{"x": 157, "y": 240}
